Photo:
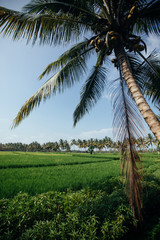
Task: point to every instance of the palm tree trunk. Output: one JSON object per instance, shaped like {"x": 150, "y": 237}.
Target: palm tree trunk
{"x": 147, "y": 113}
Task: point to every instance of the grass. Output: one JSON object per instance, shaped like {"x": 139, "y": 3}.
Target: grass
{"x": 35, "y": 173}
{"x": 22, "y": 159}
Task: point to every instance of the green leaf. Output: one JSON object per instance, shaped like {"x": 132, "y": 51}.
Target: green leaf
{"x": 48, "y": 27}
{"x": 74, "y": 7}
{"x": 91, "y": 91}
{"x": 80, "y": 50}
{"x": 64, "y": 78}
{"x": 148, "y": 18}
{"x": 147, "y": 75}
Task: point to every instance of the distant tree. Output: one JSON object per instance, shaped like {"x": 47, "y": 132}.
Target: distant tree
{"x": 34, "y": 147}
{"x": 66, "y": 146}
{"x": 150, "y": 141}
{"x": 46, "y": 147}
{"x": 73, "y": 143}
{"x": 90, "y": 149}
{"x": 1, "y": 146}
{"x": 80, "y": 144}
{"x": 141, "y": 144}
{"x": 56, "y": 146}
{"x": 61, "y": 144}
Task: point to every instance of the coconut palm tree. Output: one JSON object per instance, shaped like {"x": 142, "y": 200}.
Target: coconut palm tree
{"x": 112, "y": 28}
{"x": 108, "y": 142}
{"x": 80, "y": 144}
{"x": 73, "y": 142}
{"x": 141, "y": 144}
{"x": 150, "y": 141}
{"x": 61, "y": 144}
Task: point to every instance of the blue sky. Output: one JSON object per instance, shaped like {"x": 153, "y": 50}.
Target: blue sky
{"x": 20, "y": 67}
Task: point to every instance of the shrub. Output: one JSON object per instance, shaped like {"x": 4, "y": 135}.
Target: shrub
{"x": 72, "y": 228}
{"x": 86, "y": 214}
{"x": 156, "y": 232}
{"x": 118, "y": 227}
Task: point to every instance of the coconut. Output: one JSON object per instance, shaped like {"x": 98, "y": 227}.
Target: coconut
{"x": 132, "y": 10}
{"x": 92, "y": 42}
{"x": 100, "y": 42}
{"x": 140, "y": 47}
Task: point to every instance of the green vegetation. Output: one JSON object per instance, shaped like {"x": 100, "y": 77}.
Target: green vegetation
{"x": 41, "y": 172}
{"x": 106, "y": 29}
{"x": 145, "y": 144}
{"x": 74, "y": 196}
{"x": 85, "y": 214}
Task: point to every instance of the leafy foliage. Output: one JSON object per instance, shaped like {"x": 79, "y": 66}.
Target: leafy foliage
{"x": 79, "y": 51}
{"x": 148, "y": 17}
{"x": 71, "y": 215}
{"x": 90, "y": 93}
{"x": 156, "y": 232}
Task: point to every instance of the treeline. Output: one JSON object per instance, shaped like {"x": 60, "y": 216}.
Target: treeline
{"x": 36, "y": 147}
{"x": 148, "y": 143}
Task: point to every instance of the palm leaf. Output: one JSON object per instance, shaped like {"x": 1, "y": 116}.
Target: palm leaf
{"x": 124, "y": 6}
{"x": 86, "y": 12}
{"x": 49, "y": 27}
{"x": 148, "y": 18}
{"x": 147, "y": 75}
{"x": 63, "y": 79}
{"x": 91, "y": 90}
{"x": 79, "y": 50}
{"x": 127, "y": 127}
{"x": 68, "y": 6}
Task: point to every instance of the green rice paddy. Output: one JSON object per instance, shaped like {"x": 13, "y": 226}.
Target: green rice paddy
{"x": 42, "y": 172}
{"x": 35, "y": 173}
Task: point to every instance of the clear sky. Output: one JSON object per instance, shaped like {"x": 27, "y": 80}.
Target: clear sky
{"x": 20, "y": 67}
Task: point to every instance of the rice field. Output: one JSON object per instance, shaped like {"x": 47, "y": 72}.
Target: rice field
{"x": 35, "y": 173}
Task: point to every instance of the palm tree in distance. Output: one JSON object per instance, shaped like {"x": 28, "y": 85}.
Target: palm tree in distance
{"x": 115, "y": 28}
{"x": 150, "y": 141}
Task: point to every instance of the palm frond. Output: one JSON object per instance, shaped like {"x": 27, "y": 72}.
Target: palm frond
{"x": 147, "y": 75}
{"x": 119, "y": 9}
{"x": 123, "y": 104}
{"x": 79, "y": 50}
{"x": 146, "y": 72}
{"x": 64, "y": 78}
{"x": 127, "y": 125}
{"x": 49, "y": 27}
{"x": 124, "y": 6}
{"x": 148, "y": 18}
{"x": 74, "y": 7}
{"x": 91, "y": 90}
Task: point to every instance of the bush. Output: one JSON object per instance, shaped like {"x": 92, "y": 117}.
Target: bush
{"x": 86, "y": 214}
{"x": 72, "y": 228}
{"x": 118, "y": 228}
{"x": 156, "y": 232}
